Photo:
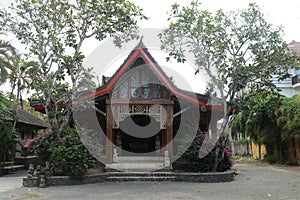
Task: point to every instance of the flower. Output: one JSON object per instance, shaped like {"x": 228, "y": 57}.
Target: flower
{"x": 27, "y": 144}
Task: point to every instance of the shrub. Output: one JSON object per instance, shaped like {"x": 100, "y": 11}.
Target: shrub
{"x": 42, "y": 145}
{"x": 71, "y": 157}
{"x": 65, "y": 151}
{"x": 270, "y": 158}
{"x": 206, "y": 163}
{"x": 7, "y": 142}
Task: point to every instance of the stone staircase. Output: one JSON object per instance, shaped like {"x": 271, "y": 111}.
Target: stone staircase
{"x": 139, "y": 176}
{"x": 11, "y": 167}
{"x": 129, "y": 168}
{"x": 137, "y": 164}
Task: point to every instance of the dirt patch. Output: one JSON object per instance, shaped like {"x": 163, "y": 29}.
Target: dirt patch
{"x": 249, "y": 160}
{"x": 97, "y": 170}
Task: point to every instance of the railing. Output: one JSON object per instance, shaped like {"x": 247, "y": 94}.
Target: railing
{"x": 295, "y": 79}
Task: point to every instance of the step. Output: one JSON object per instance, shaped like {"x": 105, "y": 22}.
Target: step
{"x": 11, "y": 168}
{"x": 9, "y": 163}
{"x": 140, "y": 159}
{"x": 14, "y": 167}
{"x": 129, "y": 170}
{"x": 140, "y": 174}
{"x": 135, "y": 165}
{"x": 139, "y": 178}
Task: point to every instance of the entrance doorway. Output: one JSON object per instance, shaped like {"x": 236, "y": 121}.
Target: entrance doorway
{"x": 138, "y": 145}
{"x": 139, "y": 134}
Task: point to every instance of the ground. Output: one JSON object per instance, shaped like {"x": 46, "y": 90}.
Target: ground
{"x": 254, "y": 181}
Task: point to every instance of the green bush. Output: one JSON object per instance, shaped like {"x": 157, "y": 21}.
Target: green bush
{"x": 205, "y": 164}
{"x": 7, "y": 142}
{"x": 71, "y": 156}
{"x": 64, "y": 150}
{"x": 42, "y": 145}
{"x": 269, "y": 158}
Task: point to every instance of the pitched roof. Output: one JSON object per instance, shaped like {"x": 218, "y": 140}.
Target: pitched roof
{"x": 25, "y": 117}
{"x": 296, "y": 46}
{"x": 141, "y": 51}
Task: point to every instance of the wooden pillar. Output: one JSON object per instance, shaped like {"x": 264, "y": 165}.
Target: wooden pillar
{"x": 169, "y": 130}
{"x": 163, "y": 141}
{"x": 109, "y": 134}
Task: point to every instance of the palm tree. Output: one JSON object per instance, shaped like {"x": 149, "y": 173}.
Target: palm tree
{"x": 19, "y": 78}
{"x": 7, "y": 52}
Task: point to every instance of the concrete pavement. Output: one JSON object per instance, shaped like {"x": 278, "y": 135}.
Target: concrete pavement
{"x": 12, "y": 180}
{"x": 252, "y": 182}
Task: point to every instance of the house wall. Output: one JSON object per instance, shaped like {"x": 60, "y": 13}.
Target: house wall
{"x": 297, "y": 90}
{"x": 289, "y": 154}
{"x": 298, "y": 149}
{"x": 291, "y": 150}
{"x": 240, "y": 148}
{"x": 26, "y": 132}
{"x": 255, "y": 150}
{"x": 286, "y": 86}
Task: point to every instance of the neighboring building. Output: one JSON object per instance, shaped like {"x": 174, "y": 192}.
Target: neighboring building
{"x": 291, "y": 85}
{"x": 27, "y": 124}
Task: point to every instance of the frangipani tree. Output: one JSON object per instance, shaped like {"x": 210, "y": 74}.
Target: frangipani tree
{"x": 54, "y": 32}
{"x": 237, "y": 50}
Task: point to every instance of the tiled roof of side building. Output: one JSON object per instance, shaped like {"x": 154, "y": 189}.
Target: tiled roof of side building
{"x": 25, "y": 117}
{"x": 296, "y": 46}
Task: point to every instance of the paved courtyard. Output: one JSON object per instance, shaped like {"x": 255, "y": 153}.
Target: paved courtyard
{"x": 252, "y": 182}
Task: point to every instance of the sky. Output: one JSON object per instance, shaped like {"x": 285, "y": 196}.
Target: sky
{"x": 280, "y": 13}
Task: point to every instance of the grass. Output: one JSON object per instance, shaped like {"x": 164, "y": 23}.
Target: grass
{"x": 27, "y": 196}
{"x": 246, "y": 159}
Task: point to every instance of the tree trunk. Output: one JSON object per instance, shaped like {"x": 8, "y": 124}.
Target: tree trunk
{"x": 231, "y": 141}
{"x": 13, "y": 88}
{"x": 294, "y": 151}
{"x": 216, "y": 161}
{"x": 259, "y": 151}
{"x": 247, "y": 147}
{"x": 280, "y": 150}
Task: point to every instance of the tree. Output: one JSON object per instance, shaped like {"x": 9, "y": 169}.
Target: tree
{"x": 7, "y": 52}
{"x": 273, "y": 120}
{"x": 7, "y": 130}
{"x": 238, "y": 50}
{"x": 288, "y": 117}
{"x": 261, "y": 124}
{"x": 54, "y": 32}
{"x": 19, "y": 78}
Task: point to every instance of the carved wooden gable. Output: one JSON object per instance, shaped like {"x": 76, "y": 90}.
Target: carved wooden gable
{"x": 139, "y": 83}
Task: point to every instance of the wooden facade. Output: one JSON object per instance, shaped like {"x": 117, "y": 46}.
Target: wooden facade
{"x": 140, "y": 95}
{"x": 141, "y": 91}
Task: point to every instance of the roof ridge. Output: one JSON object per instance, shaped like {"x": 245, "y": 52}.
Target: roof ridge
{"x": 140, "y": 44}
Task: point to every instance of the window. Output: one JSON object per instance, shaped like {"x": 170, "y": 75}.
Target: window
{"x": 139, "y": 85}
{"x": 22, "y": 134}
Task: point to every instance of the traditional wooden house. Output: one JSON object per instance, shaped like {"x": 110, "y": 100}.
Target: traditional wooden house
{"x": 142, "y": 112}
{"x": 27, "y": 124}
